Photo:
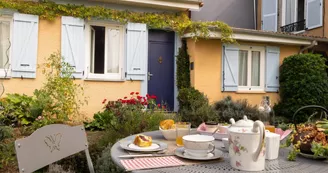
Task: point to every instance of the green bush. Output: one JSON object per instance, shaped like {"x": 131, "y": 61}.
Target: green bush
{"x": 15, "y": 110}
{"x": 194, "y": 107}
{"x": 7, "y": 153}
{"x": 183, "y": 70}
{"x": 59, "y": 96}
{"x": 129, "y": 116}
{"x": 303, "y": 81}
{"x": 227, "y": 108}
{"x": 105, "y": 164}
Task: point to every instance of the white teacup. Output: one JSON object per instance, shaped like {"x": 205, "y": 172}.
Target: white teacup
{"x": 198, "y": 145}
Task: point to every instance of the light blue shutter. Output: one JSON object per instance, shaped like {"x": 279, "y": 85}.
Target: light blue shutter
{"x": 72, "y": 44}
{"x": 25, "y": 45}
{"x": 272, "y": 69}
{"x": 230, "y": 68}
{"x": 269, "y": 15}
{"x": 314, "y": 14}
{"x": 137, "y": 51}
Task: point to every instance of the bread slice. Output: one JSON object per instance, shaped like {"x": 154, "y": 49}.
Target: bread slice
{"x": 143, "y": 140}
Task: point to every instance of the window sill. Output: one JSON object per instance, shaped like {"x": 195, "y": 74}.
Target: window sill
{"x": 105, "y": 80}
{"x": 250, "y": 92}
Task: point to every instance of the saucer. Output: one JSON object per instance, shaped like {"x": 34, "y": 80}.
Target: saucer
{"x": 180, "y": 152}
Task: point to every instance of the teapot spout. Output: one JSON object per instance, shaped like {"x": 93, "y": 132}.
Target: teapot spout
{"x": 232, "y": 121}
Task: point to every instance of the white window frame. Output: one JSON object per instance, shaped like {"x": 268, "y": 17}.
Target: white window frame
{"x": 3, "y": 71}
{"x": 106, "y": 76}
{"x": 283, "y": 12}
{"x": 250, "y": 88}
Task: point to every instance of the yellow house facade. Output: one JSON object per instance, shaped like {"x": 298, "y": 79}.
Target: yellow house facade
{"x": 26, "y": 40}
{"x": 246, "y": 70}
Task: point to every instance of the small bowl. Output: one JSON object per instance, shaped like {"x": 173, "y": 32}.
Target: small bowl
{"x": 226, "y": 143}
{"x": 168, "y": 134}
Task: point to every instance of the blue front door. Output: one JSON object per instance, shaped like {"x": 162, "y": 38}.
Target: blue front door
{"x": 161, "y": 67}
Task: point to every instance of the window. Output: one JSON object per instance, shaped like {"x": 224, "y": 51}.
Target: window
{"x": 251, "y": 68}
{"x": 106, "y": 51}
{"x": 5, "y": 46}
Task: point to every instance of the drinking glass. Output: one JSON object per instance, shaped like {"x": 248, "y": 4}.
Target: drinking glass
{"x": 182, "y": 129}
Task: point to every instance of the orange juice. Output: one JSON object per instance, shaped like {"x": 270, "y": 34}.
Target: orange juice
{"x": 182, "y": 129}
{"x": 179, "y": 141}
{"x": 270, "y": 128}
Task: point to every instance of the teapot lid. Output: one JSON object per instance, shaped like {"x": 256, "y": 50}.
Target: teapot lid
{"x": 245, "y": 122}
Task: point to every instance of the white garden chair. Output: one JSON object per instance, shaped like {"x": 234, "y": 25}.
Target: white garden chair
{"x": 50, "y": 144}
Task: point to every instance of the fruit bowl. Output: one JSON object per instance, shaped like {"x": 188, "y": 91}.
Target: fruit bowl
{"x": 169, "y": 134}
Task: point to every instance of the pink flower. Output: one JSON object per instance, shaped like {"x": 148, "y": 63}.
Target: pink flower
{"x": 236, "y": 149}
{"x": 39, "y": 117}
{"x": 238, "y": 164}
{"x": 159, "y": 105}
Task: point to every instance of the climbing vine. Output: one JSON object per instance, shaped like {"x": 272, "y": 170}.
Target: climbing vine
{"x": 178, "y": 22}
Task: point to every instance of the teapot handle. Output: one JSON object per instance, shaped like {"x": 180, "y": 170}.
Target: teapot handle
{"x": 258, "y": 125}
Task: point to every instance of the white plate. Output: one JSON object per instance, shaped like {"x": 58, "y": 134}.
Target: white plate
{"x": 310, "y": 156}
{"x": 180, "y": 152}
{"x": 156, "y": 146}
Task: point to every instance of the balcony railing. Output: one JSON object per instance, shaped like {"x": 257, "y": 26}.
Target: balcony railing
{"x": 294, "y": 27}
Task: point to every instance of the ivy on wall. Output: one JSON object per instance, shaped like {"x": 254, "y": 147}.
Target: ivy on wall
{"x": 178, "y": 22}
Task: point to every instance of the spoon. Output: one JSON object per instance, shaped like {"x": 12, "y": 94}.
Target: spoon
{"x": 215, "y": 130}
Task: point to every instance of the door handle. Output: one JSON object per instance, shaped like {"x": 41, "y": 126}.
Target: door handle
{"x": 149, "y": 75}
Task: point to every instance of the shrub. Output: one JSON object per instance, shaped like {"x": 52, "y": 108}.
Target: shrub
{"x": 105, "y": 164}
{"x": 7, "y": 153}
{"x": 194, "y": 107}
{"x": 15, "y": 110}
{"x": 303, "y": 81}
{"x": 60, "y": 97}
{"x": 129, "y": 116}
{"x": 227, "y": 108}
{"x": 183, "y": 70}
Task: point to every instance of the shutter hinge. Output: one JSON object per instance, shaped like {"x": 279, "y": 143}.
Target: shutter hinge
{"x": 126, "y": 74}
{"x": 83, "y": 26}
{"x": 83, "y": 73}
{"x": 126, "y": 30}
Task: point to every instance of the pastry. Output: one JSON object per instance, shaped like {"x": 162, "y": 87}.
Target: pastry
{"x": 167, "y": 124}
{"x": 143, "y": 141}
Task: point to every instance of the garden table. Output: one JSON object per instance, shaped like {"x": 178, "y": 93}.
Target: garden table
{"x": 281, "y": 165}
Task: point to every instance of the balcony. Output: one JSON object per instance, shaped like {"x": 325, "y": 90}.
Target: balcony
{"x": 294, "y": 27}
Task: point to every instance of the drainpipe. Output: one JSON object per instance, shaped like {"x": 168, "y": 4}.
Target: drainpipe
{"x": 255, "y": 8}
{"x": 314, "y": 43}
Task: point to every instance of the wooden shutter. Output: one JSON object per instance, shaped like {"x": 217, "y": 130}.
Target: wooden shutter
{"x": 314, "y": 14}
{"x": 230, "y": 68}
{"x": 25, "y": 45}
{"x": 72, "y": 44}
{"x": 137, "y": 51}
{"x": 272, "y": 69}
{"x": 269, "y": 15}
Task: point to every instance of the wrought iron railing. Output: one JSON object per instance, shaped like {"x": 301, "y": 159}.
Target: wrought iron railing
{"x": 293, "y": 27}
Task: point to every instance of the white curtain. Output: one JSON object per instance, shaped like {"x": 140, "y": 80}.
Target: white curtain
{"x": 4, "y": 43}
{"x": 255, "y": 68}
{"x": 290, "y": 11}
{"x": 243, "y": 58}
{"x": 113, "y": 58}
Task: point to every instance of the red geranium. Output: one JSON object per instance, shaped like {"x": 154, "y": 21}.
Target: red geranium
{"x": 137, "y": 93}
{"x": 104, "y": 101}
{"x": 125, "y": 97}
{"x": 159, "y": 105}
{"x": 131, "y": 93}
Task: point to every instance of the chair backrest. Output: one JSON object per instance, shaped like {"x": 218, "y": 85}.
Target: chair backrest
{"x": 50, "y": 144}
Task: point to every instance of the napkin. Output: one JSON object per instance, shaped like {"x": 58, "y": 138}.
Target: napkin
{"x": 283, "y": 134}
{"x": 147, "y": 163}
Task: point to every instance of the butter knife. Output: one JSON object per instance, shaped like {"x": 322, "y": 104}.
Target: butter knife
{"x": 145, "y": 155}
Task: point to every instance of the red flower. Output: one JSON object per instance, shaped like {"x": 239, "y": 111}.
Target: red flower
{"x": 137, "y": 93}
{"x": 147, "y": 95}
{"x": 123, "y": 101}
{"x": 159, "y": 105}
{"x": 163, "y": 107}
{"x": 139, "y": 97}
{"x": 104, "y": 101}
{"x": 125, "y": 97}
{"x": 153, "y": 97}
{"x": 131, "y": 93}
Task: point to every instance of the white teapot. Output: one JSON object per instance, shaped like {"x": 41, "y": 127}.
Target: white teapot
{"x": 246, "y": 145}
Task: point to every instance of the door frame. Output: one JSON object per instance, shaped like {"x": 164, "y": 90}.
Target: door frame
{"x": 144, "y": 83}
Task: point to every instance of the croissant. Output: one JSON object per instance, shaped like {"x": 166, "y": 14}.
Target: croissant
{"x": 143, "y": 141}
